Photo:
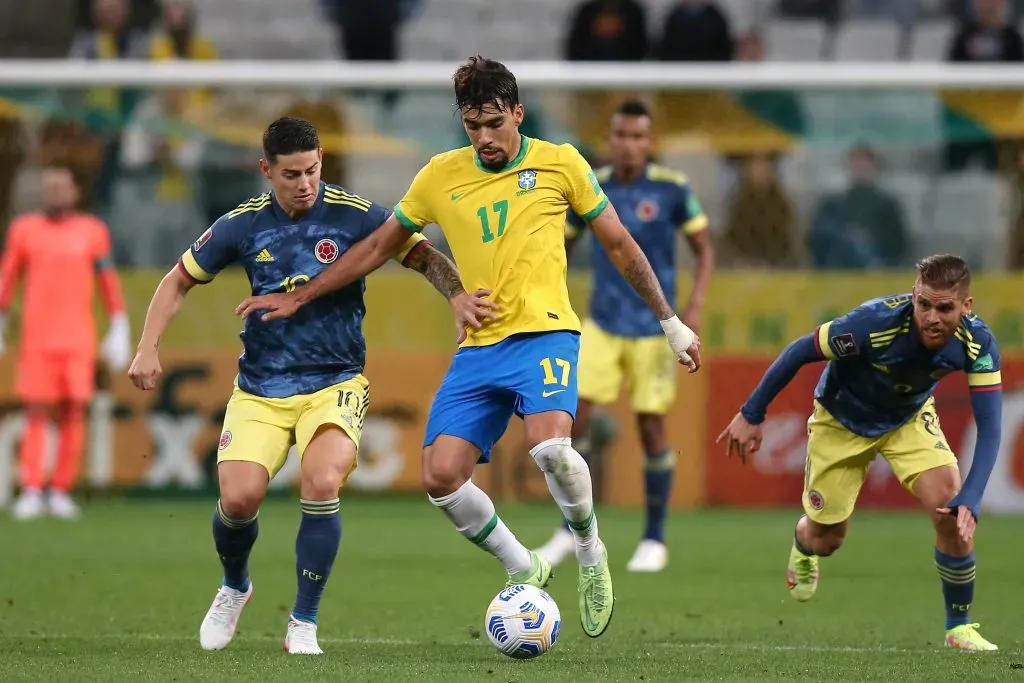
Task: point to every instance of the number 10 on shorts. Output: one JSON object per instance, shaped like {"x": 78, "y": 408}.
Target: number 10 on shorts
{"x": 563, "y": 366}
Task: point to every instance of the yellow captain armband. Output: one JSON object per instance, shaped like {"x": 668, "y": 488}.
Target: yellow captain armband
{"x": 192, "y": 270}
{"x": 984, "y": 379}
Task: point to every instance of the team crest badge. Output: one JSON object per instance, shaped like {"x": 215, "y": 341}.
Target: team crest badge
{"x": 225, "y": 440}
{"x": 527, "y": 180}
{"x": 326, "y": 251}
{"x": 647, "y": 211}
{"x": 816, "y": 500}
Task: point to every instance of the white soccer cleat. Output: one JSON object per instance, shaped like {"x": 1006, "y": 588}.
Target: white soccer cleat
{"x": 301, "y": 638}
{"x": 559, "y": 547}
{"x": 62, "y": 506}
{"x": 30, "y": 505}
{"x": 650, "y": 556}
{"x": 218, "y": 627}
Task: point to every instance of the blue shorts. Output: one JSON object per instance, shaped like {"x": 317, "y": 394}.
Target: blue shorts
{"x": 522, "y": 374}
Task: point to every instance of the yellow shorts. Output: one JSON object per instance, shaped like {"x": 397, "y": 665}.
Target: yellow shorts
{"x": 837, "y": 459}
{"x": 262, "y": 430}
{"x": 646, "y": 363}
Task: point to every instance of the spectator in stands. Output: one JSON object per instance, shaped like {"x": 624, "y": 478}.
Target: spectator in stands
{"x": 988, "y": 36}
{"x": 760, "y": 226}
{"x": 108, "y": 108}
{"x": 603, "y": 30}
{"x": 696, "y": 31}
{"x": 159, "y": 152}
{"x": 861, "y": 227}
{"x": 177, "y": 38}
{"x": 608, "y": 30}
{"x": 368, "y": 31}
{"x": 781, "y": 108}
{"x": 1015, "y": 259}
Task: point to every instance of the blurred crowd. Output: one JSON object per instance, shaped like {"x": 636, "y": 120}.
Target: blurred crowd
{"x": 160, "y": 165}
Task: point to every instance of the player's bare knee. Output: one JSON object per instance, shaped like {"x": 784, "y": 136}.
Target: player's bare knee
{"x": 240, "y": 502}
{"x": 243, "y": 486}
{"x": 936, "y": 487}
{"x": 442, "y": 481}
{"x": 326, "y": 462}
{"x": 541, "y": 427}
{"x": 323, "y": 483}
{"x": 443, "y": 475}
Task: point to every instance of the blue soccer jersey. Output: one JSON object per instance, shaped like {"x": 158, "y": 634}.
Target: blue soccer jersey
{"x": 654, "y": 207}
{"x": 879, "y": 375}
{"x": 322, "y": 344}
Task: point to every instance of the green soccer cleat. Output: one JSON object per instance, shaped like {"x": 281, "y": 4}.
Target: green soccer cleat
{"x": 966, "y": 637}
{"x": 597, "y": 600}
{"x": 802, "y": 575}
{"x": 539, "y": 573}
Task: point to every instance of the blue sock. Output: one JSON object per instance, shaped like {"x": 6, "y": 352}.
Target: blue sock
{"x": 658, "y": 471}
{"x": 957, "y": 574}
{"x": 582, "y": 446}
{"x": 316, "y": 546}
{"x": 234, "y": 539}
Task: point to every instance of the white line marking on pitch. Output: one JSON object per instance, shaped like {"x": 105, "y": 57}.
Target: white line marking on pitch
{"x": 403, "y": 642}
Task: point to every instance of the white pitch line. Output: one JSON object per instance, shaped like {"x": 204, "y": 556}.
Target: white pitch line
{"x": 183, "y": 638}
{"x": 755, "y": 647}
{"x": 402, "y": 642}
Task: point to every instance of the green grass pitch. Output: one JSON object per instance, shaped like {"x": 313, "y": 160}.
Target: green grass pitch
{"x": 119, "y": 596}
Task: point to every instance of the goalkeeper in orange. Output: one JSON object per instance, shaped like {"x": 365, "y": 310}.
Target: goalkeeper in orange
{"x": 61, "y": 255}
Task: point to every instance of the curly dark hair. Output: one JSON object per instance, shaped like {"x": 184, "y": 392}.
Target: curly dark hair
{"x": 481, "y": 81}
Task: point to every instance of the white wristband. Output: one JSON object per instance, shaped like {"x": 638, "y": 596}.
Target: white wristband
{"x": 680, "y": 337}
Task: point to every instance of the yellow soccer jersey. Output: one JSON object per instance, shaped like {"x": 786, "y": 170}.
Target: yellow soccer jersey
{"x": 506, "y": 229}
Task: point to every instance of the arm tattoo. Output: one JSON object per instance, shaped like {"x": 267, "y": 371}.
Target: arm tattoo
{"x": 437, "y": 269}
{"x": 641, "y": 277}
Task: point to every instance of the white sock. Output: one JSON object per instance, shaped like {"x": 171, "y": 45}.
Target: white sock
{"x": 472, "y": 513}
{"x": 568, "y": 478}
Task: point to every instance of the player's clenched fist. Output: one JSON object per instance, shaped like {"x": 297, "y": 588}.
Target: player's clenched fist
{"x": 145, "y": 370}
{"x": 743, "y": 438}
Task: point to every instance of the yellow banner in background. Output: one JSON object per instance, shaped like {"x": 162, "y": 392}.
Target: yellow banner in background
{"x": 746, "y": 312}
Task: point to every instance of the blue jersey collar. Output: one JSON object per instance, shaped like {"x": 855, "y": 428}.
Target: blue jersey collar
{"x": 314, "y": 210}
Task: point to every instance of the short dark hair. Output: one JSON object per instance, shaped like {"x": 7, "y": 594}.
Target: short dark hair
{"x": 289, "y": 135}
{"x": 944, "y": 272}
{"x": 481, "y": 81}
{"x": 633, "y": 108}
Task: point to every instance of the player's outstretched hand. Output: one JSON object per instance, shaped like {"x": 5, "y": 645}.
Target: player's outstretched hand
{"x": 743, "y": 437}
{"x": 274, "y": 306}
{"x": 473, "y": 310}
{"x": 965, "y": 522}
{"x": 145, "y": 370}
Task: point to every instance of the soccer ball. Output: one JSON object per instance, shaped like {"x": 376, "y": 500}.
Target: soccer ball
{"x": 523, "y": 621}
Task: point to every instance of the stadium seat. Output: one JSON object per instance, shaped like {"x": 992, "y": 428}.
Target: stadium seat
{"x": 868, "y": 40}
{"x": 932, "y": 39}
{"x": 795, "y": 41}
{"x": 970, "y": 214}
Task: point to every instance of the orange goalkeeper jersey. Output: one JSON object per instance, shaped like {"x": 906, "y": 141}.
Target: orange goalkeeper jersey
{"x": 61, "y": 258}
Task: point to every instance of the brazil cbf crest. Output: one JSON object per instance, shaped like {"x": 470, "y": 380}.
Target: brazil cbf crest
{"x": 527, "y": 180}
